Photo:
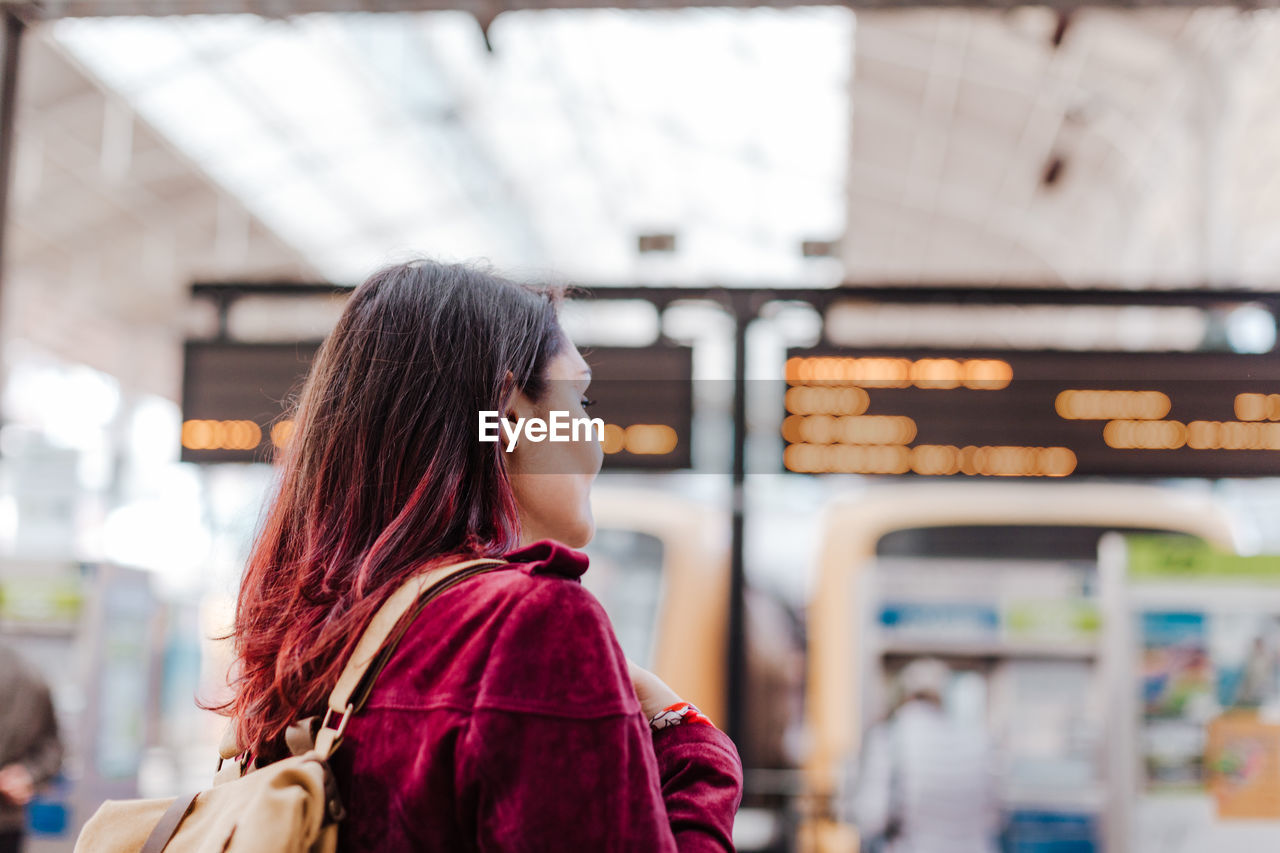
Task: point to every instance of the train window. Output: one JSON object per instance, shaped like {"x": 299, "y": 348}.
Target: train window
{"x": 626, "y": 575}
{"x": 1014, "y": 542}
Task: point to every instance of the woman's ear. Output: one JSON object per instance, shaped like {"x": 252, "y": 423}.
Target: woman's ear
{"x": 518, "y": 403}
{"x": 520, "y": 406}
{"x": 518, "y": 410}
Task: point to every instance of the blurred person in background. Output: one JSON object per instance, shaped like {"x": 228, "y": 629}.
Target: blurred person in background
{"x": 30, "y": 750}
{"x": 1257, "y": 684}
{"x": 926, "y": 782}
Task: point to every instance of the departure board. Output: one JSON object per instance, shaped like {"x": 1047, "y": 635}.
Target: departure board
{"x": 1032, "y": 414}
{"x": 645, "y": 397}
{"x": 236, "y": 397}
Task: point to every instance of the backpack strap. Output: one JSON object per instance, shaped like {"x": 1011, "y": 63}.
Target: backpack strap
{"x": 163, "y": 831}
{"x": 378, "y": 642}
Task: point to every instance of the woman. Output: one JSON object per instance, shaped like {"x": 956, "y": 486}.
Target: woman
{"x": 507, "y": 718}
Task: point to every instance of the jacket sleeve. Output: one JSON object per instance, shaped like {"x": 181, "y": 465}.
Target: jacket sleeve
{"x": 701, "y": 777}
{"x": 558, "y": 755}
{"x": 43, "y": 758}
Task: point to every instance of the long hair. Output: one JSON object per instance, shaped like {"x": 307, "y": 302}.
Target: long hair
{"x": 383, "y": 474}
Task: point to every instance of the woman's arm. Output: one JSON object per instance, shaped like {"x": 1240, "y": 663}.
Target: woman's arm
{"x": 685, "y": 753}
{"x": 701, "y": 785}
{"x": 544, "y": 783}
{"x": 560, "y": 756}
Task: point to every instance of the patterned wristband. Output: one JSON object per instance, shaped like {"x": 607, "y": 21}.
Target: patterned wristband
{"x": 679, "y": 714}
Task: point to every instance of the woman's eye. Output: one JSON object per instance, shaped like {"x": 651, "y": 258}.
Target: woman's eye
{"x": 586, "y": 404}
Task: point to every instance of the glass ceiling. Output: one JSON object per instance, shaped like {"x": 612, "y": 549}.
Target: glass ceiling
{"x": 364, "y": 138}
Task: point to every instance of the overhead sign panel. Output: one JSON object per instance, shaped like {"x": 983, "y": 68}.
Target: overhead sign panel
{"x": 236, "y": 396}
{"x": 1032, "y": 414}
{"x": 645, "y": 397}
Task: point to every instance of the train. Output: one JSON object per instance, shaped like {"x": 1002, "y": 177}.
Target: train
{"x": 661, "y": 567}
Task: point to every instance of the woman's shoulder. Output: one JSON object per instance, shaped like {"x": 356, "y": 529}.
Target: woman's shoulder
{"x": 555, "y": 650}
{"x": 539, "y": 581}
{"x": 527, "y": 636}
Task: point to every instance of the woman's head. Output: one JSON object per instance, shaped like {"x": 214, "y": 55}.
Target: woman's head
{"x": 551, "y": 480}
{"x": 384, "y": 471}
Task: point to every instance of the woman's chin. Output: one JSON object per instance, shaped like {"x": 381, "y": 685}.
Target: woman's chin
{"x": 581, "y": 535}
{"x": 578, "y": 533}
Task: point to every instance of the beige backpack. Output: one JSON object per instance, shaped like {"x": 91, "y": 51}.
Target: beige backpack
{"x": 288, "y": 806}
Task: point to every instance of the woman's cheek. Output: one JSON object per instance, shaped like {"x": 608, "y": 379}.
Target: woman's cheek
{"x": 595, "y": 453}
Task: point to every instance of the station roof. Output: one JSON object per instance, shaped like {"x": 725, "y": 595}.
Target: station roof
{"x": 1128, "y": 148}
{"x": 360, "y": 138}
{"x": 109, "y": 222}
{"x": 487, "y": 9}
{"x": 1131, "y": 148}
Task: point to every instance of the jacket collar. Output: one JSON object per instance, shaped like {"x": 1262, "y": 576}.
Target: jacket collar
{"x": 548, "y": 557}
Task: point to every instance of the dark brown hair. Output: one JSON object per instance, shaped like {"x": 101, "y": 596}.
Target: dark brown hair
{"x": 383, "y": 474}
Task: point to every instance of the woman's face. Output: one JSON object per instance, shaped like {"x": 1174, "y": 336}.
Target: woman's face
{"x": 552, "y": 479}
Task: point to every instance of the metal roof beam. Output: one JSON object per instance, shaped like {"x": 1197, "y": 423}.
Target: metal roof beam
{"x": 485, "y": 10}
{"x": 958, "y": 294}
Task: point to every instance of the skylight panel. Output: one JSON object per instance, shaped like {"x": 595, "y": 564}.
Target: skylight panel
{"x": 356, "y": 137}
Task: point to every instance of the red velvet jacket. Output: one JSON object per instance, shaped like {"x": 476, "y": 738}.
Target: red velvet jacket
{"x": 505, "y": 721}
